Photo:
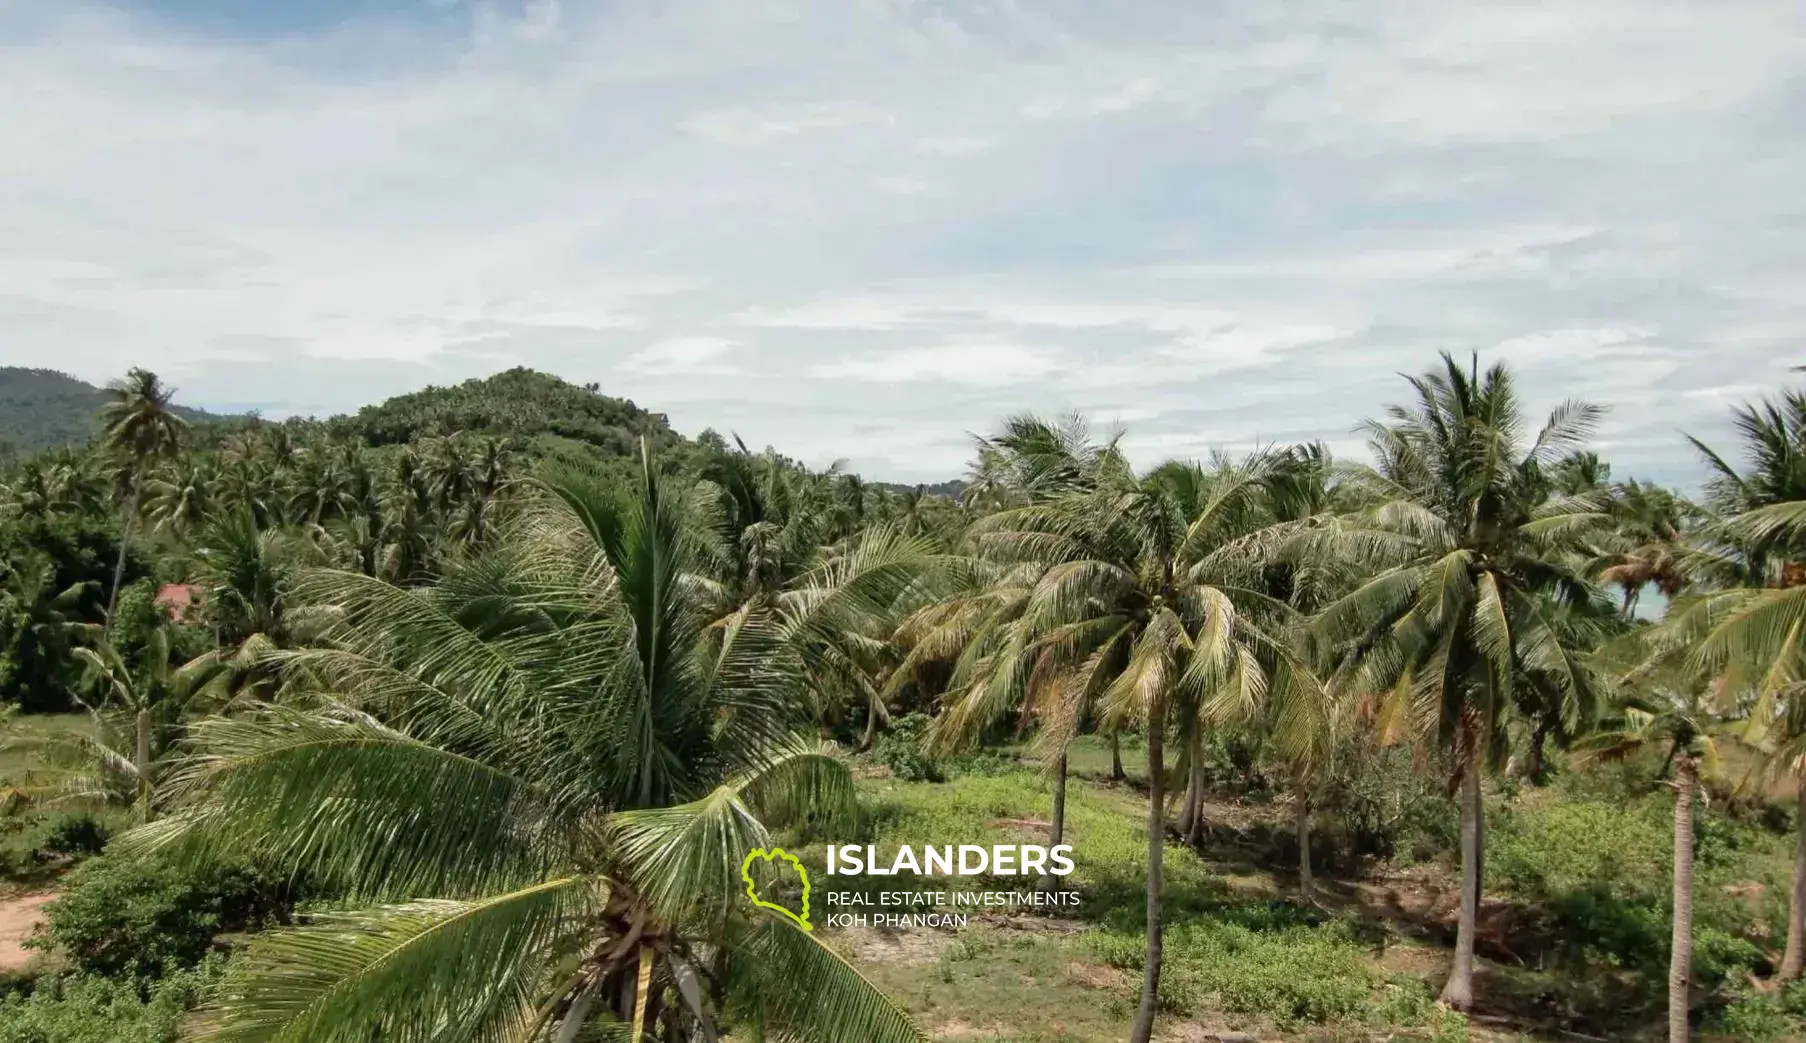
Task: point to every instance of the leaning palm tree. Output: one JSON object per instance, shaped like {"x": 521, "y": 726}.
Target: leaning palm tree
{"x": 1471, "y": 560}
{"x": 545, "y": 780}
{"x": 140, "y": 429}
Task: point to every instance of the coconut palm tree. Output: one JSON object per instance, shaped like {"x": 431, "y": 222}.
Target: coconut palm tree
{"x": 132, "y": 723}
{"x": 1285, "y": 560}
{"x": 548, "y": 780}
{"x": 1648, "y": 527}
{"x": 976, "y": 640}
{"x": 1124, "y": 615}
{"x": 180, "y": 497}
{"x": 243, "y": 575}
{"x": 1753, "y": 552}
{"x": 1471, "y": 560}
{"x": 1666, "y": 710}
{"x": 140, "y": 429}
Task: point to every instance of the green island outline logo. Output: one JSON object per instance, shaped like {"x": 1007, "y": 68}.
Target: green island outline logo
{"x": 777, "y": 852}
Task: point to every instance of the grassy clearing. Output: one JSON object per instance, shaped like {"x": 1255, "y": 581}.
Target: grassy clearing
{"x": 1574, "y": 941}
{"x": 1241, "y": 956}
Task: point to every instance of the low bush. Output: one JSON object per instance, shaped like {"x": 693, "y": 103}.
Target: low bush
{"x": 138, "y": 918}
{"x": 903, "y": 748}
{"x": 79, "y": 1008}
{"x": 1753, "y": 1017}
{"x": 1382, "y": 805}
{"x": 30, "y": 840}
{"x": 78, "y": 835}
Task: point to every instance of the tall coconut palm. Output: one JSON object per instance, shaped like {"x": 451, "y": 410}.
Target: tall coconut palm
{"x": 1754, "y": 554}
{"x": 1471, "y": 560}
{"x": 1125, "y": 616}
{"x": 1666, "y": 711}
{"x": 1286, "y": 560}
{"x": 977, "y": 639}
{"x": 1648, "y": 525}
{"x": 548, "y": 780}
{"x": 140, "y": 429}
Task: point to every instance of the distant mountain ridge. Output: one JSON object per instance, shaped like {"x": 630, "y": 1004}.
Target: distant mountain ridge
{"x": 42, "y": 408}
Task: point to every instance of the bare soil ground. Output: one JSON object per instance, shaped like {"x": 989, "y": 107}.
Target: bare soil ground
{"x": 20, "y": 915}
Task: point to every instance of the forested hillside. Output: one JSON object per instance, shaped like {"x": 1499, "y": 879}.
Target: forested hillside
{"x": 520, "y": 403}
{"x": 40, "y": 408}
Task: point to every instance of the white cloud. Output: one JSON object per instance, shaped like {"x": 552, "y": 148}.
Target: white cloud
{"x": 906, "y": 185}
{"x": 847, "y": 314}
{"x": 685, "y": 355}
{"x": 756, "y": 127}
{"x": 985, "y": 364}
{"x": 957, "y": 145}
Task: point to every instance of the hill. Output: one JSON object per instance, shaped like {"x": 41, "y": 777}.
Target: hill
{"x": 41, "y": 408}
{"x": 952, "y": 489}
{"x": 520, "y": 402}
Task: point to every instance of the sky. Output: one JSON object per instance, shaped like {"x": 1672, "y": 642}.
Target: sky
{"x": 867, "y": 229}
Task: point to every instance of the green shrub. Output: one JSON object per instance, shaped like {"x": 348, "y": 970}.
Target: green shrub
{"x": 903, "y": 748}
{"x": 1753, "y": 1017}
{"x": 80, "y": 1008}
{"x": 77, "y": 835}
{"x": 1382, "y": 804}
{"x": 30, "y": 840}
{"x": 136, "y": 917}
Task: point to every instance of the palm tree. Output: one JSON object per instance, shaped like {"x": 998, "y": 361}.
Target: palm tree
{"x": 1754, "y": 552}
{"x": 1283, "y": 559}
{"x": 1124, "y": 615}
{"x": 40, "y": 625}
{"x": 243, "y": 574}
{"x": 181, "y": 496}
{"x": 549, "y": 779}
{"x": 976, "y": 637}
{"x": 134, "y": 705}
{"x": 1471, "y": 559}
{"x": 1648, "y": 525}
{"x": 140, "y": 429}
{"x": 1668, "y": 712}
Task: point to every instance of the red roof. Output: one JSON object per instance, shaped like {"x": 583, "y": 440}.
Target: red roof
{"x": 178, "y": 599}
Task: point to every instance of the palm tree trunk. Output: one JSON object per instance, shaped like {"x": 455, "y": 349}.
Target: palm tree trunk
{"x": 141, "y": 762}
{"x": 1194, "y": 801}
{"x": 1143, "y": 1030}
{"x": 1795, "y": 956}
{"x": 1301, "y": 809}
{"x": 125, "y": 538}
{"x": 1680, "y": 962}
{"x": 1459, "y": 992}
{"x": 871, "y": 729}
{"x": 1536, "y": 763}
{"x": 642, "y": 993}
{"x": 1116, "y": 772}
{"x": 1057, "y": 834}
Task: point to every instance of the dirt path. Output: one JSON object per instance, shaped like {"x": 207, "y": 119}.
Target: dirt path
{"x": 19, "y": 916}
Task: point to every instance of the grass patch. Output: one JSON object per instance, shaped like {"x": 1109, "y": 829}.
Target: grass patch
{"x": 1236, "y": 956}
